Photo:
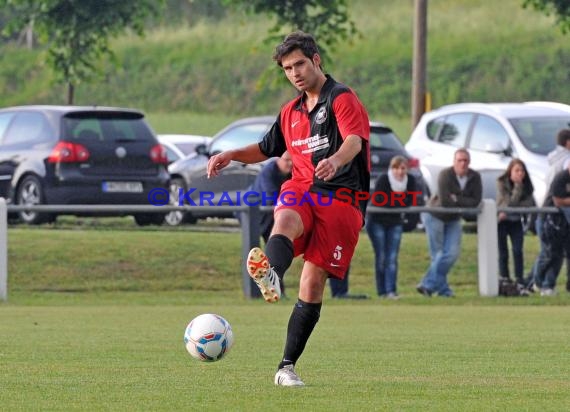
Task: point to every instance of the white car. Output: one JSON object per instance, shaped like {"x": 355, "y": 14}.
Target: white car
{"x": 494, "y": 134}
{"x": 180, "y": 145}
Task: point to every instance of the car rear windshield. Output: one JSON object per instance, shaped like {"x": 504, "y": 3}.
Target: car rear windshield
{"x": 384, "y": 139}
{"x": 120, "y": 127}
{"x": 539, "y": 134}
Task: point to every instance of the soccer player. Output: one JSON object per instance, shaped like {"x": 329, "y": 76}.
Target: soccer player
{"x": 319, "y": 213}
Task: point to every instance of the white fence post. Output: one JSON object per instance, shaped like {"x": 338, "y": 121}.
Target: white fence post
{"x": 3, "y": 249}
{"x": 487, "y": 249}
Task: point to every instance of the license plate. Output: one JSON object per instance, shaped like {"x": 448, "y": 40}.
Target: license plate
{"x": 122, "y": 187}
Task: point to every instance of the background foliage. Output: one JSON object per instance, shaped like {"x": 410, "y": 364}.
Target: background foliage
{"x": 77, "y": 33}
{"x": 477, "y": 51}
{"x": 560, "y": 9}
{"x": 327, "y": 20}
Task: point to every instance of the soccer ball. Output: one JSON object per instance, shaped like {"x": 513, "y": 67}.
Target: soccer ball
{"x": 208, "y": 337}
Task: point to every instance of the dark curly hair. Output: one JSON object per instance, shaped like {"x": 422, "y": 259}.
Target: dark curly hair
{"x": 563, "y": 137}
{"x": 298, "y": 40}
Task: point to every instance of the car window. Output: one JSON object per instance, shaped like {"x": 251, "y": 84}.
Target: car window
{"x": 106, "y": 127}
{"x": 539, "y": 134}
{"x": 171, "y": 155}
{"x": 488, "y": 134}
{"x": 5, "y": 119}
{"x": 186, "y": 148}
{"x": 239, "y": 136}
{"x": 123, "y": 129}
{"x": 28, "y": 127}
{"x": 454, "y": 130}
{"x": 433, "y": 127}
{"x": 383, "y": 138}
{"x": 86, "y": 129}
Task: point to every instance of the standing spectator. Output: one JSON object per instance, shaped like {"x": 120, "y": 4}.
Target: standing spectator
{"x": 554, "y": 235}
{"x": 385, "y": 229}
{"x": 339, "y": 288}
{"x": 514, "y": 189}
{"x": 556, "y": 159}
{"x": 559, "y": 155}
{"x": 326, "y": 130}
{"x": 458, "y": 186}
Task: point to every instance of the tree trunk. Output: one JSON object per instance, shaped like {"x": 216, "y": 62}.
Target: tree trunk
{"x": 419, "y": 62}
{"x": 30, "y": 35}
{"x": 70, "y": 93}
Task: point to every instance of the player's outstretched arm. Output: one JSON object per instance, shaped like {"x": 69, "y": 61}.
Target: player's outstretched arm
{"x": 247, "y": 154}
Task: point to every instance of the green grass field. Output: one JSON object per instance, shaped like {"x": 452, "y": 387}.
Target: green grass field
{"x": 365, "y": 356}
{"x": 97, "y": 311}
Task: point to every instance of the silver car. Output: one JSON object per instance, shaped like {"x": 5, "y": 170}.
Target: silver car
{"x": 178, "y": 146}
{"x": 494, "y": 134}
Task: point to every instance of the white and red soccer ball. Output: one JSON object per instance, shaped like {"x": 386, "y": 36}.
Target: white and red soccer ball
{"x": 208, "y": 337}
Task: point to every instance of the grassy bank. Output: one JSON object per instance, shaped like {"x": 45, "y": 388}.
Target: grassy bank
{"x": 477, "y": 51}
{"x": 78, "y": 264}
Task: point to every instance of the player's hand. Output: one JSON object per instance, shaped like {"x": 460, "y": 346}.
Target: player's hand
{"x": 217, "y": 163}
{"x": 326, "y": 169}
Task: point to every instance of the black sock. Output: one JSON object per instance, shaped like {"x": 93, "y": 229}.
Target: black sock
{"x": 279, "y": 251}
{"x": 301, "y": 324}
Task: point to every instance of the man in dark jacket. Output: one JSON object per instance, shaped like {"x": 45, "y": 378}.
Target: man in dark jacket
{"x": 554, "y": 234}
{"x": 458, "y": 186}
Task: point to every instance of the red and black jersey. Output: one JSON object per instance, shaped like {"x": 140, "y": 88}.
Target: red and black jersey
{"x": 312, "y": 136}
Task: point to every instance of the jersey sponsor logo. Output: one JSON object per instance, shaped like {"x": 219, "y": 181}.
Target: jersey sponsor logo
{"x": 321, "y": 116}
{"x": 312, "y": 144}
{"x": 314, "y": 149}
{"x": 295, "y": 123}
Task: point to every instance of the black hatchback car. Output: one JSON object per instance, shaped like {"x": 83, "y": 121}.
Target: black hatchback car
{"x": 71, "y": 155}
{"x": 190, "y": 172}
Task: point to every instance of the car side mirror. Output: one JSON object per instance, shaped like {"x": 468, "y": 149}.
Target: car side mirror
{"x": 496, "y": 147}
{"x": 201, "y": 149}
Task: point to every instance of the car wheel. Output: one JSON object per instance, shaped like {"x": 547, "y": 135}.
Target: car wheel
{"x": 175, "y": 217}
{"x": 30, "y": 193}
